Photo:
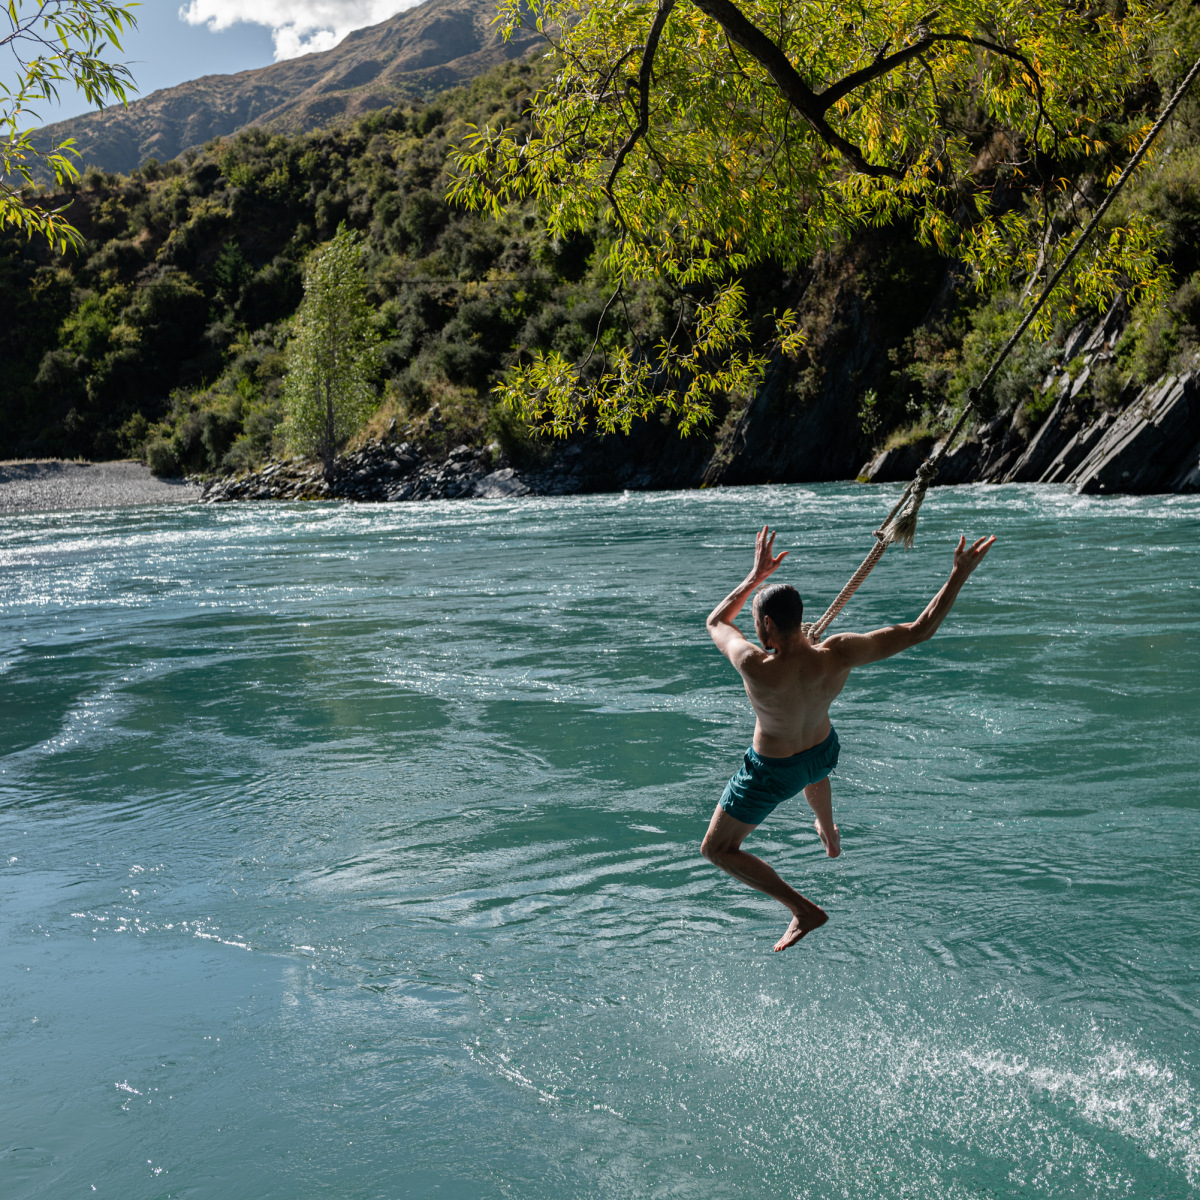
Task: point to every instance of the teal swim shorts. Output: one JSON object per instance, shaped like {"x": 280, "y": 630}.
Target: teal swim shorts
{"x": 762, "y": 783}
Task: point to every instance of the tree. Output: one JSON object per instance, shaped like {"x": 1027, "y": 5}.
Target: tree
{"x": 53, "y": 42}
{"x": 331, "y": 355}
{"x": 709, "y": 136}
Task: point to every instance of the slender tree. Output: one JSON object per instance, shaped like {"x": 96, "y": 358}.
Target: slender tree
{"x": 331, "y": 356}
{"x": 51, "y": 43}
{"x": 708, "y": 136}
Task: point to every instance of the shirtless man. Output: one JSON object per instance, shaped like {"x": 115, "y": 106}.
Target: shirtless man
{"x": 791, "y": 682}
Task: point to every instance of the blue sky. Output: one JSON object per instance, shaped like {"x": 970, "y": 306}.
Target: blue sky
{"x": 176, "y": 42}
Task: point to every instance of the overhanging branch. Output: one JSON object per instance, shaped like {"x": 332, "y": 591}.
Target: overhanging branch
{"x": 812, "y": 106}
{"x": 799, "y": 95}
{"x": 881, "y": 66}
{"x": 644, "y": 78}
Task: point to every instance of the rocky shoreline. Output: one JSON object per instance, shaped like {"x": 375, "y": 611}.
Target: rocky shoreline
{"x": 1149, "y": 443}
{"x": 384, "y": 469}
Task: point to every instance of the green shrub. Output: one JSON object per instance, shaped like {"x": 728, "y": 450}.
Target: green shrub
{"x": 1035, "y": 410}
{"x": 1109, "y": 387}
{"x": 1020, "y": 378}
{"x": 160, "y": 457}
{"x": 133, "y": 434}
{"x": 1158, "y": 343}
{"x": 243, "y": 455}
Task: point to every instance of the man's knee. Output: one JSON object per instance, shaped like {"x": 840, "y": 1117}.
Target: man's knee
{"x": 713, "y": 848}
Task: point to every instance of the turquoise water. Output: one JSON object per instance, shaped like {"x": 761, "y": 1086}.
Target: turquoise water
{"x": 352, "y": 852}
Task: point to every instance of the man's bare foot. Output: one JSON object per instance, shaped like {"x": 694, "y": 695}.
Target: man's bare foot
{"x": 831, "y": 842}
{"x": 800, "y": 926}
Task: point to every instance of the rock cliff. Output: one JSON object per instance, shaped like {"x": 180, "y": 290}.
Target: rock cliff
{"x": 1147, "y": 442}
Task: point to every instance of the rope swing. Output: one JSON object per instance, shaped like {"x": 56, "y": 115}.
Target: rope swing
{"x": 900, "y": 525}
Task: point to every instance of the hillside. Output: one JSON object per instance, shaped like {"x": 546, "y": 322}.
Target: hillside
{"x": 421, "y": 51}
{"x": 164, "y": 337}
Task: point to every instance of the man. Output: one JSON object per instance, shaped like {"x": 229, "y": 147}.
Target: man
{"x": 791, "y": 682}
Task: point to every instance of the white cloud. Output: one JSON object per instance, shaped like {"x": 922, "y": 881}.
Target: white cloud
{"x": 297, "y": 26}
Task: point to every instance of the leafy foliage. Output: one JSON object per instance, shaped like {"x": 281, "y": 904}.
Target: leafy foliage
{"x": 164, "y": 336}
{"x": 708, "y": 137}
{"x": 327, "y": 391}
{"x": 454, "y": 298}
{"x": 53, "y": 42}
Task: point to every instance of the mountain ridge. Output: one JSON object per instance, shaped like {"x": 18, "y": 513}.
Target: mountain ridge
{"x": 422, "y": 50}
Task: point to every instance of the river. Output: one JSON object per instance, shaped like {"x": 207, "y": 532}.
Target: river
{"x": 352, "y": 852}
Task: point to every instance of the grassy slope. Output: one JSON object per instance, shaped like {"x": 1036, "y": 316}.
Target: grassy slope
{"x": 421, "y": 51}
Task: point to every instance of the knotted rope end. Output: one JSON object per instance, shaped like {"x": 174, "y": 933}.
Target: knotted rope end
{"x": 902, "y": 528}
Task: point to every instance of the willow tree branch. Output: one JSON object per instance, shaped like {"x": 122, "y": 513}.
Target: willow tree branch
{"x": 881, "y": 66}
{"x": 812, "y": 106}
{"x": 799, "y": 95}
{"x": 644, "y": 78}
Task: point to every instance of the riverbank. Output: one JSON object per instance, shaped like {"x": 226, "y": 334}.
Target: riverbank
{"x": 47, "y": 485}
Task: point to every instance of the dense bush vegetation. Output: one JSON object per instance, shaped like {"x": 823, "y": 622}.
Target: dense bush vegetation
{"x": 164, "y": 337}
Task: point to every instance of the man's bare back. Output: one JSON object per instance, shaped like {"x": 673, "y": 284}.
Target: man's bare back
{"x": 791, "y": 682}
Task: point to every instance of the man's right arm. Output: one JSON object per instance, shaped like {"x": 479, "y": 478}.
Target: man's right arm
{"x": 858, "y": 649}
{"x": 728, "y": 637}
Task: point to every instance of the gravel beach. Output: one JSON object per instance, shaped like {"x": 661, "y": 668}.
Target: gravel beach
{"x": 55, "y": 484}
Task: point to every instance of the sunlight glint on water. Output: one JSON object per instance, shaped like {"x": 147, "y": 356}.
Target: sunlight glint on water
{"x": 352, "y": 852}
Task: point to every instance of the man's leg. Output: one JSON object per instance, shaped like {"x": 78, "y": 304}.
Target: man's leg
{"x": 820, "y": 799}
{"x": 722, "y": 847}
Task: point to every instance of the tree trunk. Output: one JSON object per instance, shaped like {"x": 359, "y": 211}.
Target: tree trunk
{"x": 327, "y": 442}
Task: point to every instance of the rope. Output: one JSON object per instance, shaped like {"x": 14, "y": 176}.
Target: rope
{"x": 900, "y": 525}
{"x": 817, "y": 628}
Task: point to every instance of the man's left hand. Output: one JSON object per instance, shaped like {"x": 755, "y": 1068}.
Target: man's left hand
{"x": 765, "y": 563}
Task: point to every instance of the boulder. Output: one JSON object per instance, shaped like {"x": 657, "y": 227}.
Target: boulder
{"x": 500, "y": 485}
{"x": 1143, "y": 448}
{"x": 897, "y": 465}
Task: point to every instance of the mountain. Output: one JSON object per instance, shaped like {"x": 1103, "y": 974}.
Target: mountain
{"x": 423, "y": 50}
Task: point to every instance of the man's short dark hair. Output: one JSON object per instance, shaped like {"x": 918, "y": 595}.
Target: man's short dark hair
{"x": 781, "y": 602}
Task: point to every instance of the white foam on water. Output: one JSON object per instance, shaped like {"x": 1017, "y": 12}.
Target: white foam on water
{"x": 943, "y": 1097}
{"x": 933, "y": 1091}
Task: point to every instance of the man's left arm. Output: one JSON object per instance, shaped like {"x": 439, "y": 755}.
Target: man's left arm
{"x": 728, "y": 637}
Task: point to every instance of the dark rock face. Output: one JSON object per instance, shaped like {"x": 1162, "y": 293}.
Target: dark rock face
{"x": 1149, "y": 444}
{"x": 1152, "y": 444}
{"x": 1141, "y": 450}
{"x": 426, "y": 49}
{"x": 1187, "y": 479}
{"x": 898, "y": 465}
{"x": 783, "y": 436}
{"x": 1074, "y": 450}
{"x": 1045, "y": 445}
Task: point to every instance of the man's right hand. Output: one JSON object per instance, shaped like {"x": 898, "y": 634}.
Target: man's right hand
{"x": 966, "y": 559}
